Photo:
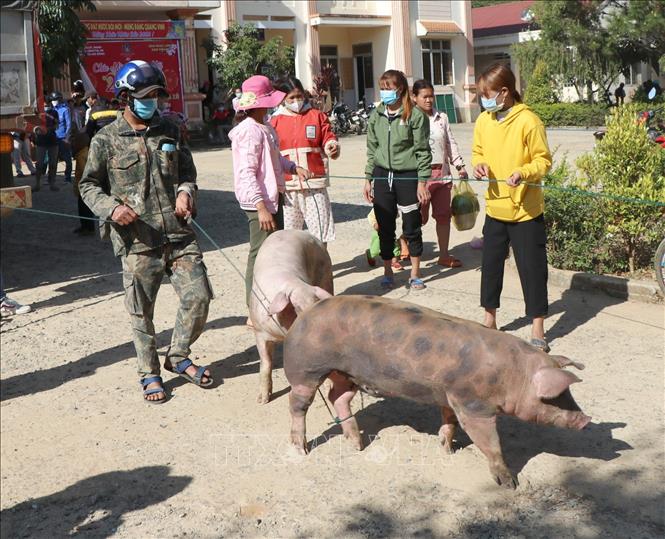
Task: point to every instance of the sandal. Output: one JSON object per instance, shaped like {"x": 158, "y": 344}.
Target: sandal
{"x": 146, "y": 392}
{"x": 541, "y": 344}
{"x": 416, "y": 283}
{"x": 387, "y": 282}
{"x": 396, "y": 265}
{"x": 449, "y": 262}
{"x": 183, "y": 365}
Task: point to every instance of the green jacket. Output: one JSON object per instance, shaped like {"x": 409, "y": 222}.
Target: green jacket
{"x": 397, "y": 145}
{"x": 129, "y": 167}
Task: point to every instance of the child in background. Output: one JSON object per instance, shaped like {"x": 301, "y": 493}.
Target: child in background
{"x": 258, "y": 167}
{"x": 401, "y": 250}
{"x": 305, "y": 137}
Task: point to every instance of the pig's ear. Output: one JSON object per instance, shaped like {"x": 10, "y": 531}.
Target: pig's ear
{"x": 550, "y": 382}
{"x": 321, "y": 293}
{"x": 563, "y": 361}
{"x": 279, "y": 303}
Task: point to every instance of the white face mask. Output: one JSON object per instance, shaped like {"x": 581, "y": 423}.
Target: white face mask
{"x": 54, "y": 104}
{"x": 238, "y": 94}
{"x": 295, "y": 105}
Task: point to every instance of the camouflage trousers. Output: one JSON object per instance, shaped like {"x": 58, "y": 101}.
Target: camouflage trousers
{"x": 142, "y": 275}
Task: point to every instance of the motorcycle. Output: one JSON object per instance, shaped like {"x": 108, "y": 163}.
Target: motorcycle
{"x": 339, "y": 120}
{"x": 652, "y": 122}
{"x": 357, "y": 122}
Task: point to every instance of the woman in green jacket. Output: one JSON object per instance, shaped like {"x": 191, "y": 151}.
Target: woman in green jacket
{"x": 398, "y": 166}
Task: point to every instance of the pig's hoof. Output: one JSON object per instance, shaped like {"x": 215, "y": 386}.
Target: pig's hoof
{"x": 356, "y": 442}
{"x": 299, "y": 449}
{"x": 447, "y": 447}
{"x": 506, "y": 480}
{"x": 263, "y": 398}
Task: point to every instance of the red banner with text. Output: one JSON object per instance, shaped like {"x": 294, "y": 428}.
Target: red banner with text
{"x": 102, "y": 60}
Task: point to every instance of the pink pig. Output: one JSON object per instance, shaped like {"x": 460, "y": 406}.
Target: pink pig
{"x": 392, "y": 348}
{"x": 292, "y": 272}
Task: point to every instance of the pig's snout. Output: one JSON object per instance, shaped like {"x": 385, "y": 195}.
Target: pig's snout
{"x": 569, "y": 420}
{"x": 581, "y": 421}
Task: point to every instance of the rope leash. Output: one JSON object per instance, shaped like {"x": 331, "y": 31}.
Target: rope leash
{"x": 573, "y": 190}
{"x": 335, "y": 419}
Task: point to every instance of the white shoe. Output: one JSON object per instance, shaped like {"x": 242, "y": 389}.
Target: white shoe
{"x": 10, "y": 307}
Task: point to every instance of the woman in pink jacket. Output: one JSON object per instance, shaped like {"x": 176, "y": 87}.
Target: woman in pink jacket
{"x": 258, "y": 167}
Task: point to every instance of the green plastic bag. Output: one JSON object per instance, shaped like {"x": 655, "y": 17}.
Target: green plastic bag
{"x": 465, "y": 206}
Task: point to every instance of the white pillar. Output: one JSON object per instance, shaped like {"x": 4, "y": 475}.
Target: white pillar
{"x": 401, "y": 37}
{"x": 471, "y": 108}
{"x": 308, "y": 60}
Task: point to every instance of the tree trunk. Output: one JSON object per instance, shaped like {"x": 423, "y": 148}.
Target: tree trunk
{"x": 589, "y": 89}
{"x": 631, "y": 256}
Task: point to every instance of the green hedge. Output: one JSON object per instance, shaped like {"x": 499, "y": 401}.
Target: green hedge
{"x": 583, "y": 234}
{"x": 570, "y": 114}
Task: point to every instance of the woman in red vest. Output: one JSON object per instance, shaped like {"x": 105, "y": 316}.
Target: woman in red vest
{"x": 306, "y": 138}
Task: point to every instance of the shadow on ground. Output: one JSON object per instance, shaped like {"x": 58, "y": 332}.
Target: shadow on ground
{"x": 520, "y": 441}
{"x": 430, "y": 270}
{"x": 47, "y": 379}
{"x": 93, "y": 507}
{"x": 577, "y": 505}
{"x": 578, "y": 308}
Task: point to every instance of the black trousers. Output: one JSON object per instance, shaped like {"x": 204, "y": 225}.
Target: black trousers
{"x": 84, "y": 211}
{"x": 390, "y": 196}
{"x": 529, "y": 240}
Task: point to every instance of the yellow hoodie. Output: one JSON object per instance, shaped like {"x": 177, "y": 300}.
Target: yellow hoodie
{"x": 516, "y": 144}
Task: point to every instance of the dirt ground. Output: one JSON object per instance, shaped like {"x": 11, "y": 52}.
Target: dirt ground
{"x": 81, "y": 454}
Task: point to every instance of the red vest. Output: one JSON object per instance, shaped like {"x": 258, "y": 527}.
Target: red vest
{"x": 303, "y": 139}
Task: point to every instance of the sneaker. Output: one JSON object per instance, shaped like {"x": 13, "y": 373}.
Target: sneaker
{"x": 10, "y": 307}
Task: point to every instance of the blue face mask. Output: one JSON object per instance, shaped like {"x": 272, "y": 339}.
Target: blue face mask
{"x": 145, "y": 108}
{"x": 389, "y": 97}
{"x": 490, "y": 105}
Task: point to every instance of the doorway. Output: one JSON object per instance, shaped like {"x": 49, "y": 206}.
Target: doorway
{"x": 364, "y": 72}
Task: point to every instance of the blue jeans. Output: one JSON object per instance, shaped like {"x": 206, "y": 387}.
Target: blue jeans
{"x": 65, "y": 153}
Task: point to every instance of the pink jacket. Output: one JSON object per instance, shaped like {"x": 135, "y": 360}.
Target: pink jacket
{"x": 258, "y": 167}
{"x": 443, "y": 145}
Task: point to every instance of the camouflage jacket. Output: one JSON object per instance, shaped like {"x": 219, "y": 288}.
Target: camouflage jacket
{"x": 130, "y": 167}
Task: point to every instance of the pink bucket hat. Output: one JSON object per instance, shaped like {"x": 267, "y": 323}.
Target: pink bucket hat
{"x": 258, "y": 93}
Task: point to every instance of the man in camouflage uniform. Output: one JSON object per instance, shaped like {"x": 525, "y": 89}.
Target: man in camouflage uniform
{"x": 140, "y": 177}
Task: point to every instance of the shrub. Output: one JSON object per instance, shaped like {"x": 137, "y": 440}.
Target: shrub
{"x": 576, "y": 235}
{"x": 570, "y": 114}
{"x": 540, "y": 88}
{"x": 625, "y": 163}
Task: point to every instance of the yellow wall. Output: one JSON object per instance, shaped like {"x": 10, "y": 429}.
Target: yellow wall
{"x": 286, "y": 35}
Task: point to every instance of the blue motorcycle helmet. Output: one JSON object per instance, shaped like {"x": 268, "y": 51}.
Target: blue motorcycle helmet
{"x": 138, "y": 79}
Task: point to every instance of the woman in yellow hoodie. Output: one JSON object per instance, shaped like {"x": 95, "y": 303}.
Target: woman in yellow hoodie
{"x": 510, "y": 145}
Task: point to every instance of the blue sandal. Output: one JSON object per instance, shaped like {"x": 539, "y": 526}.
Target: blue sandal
{"x": 146, "y": 382}
{"x": 183, "y": 365}
{"x": 541, "y": 344}
{"x": 387, "y": 282}
{"x": 416, "y": 283}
